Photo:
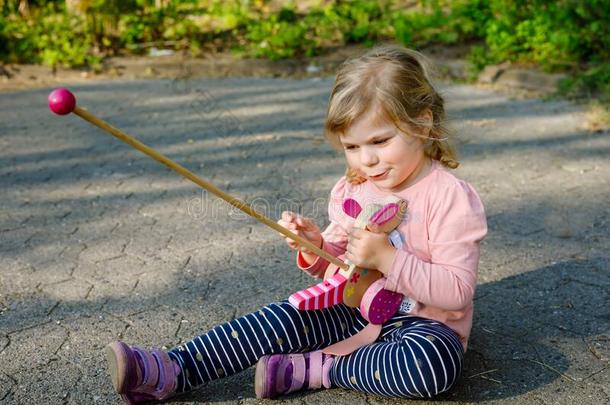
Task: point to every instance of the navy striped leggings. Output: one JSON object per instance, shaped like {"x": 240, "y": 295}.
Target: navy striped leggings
{"x": 412, "y": 358}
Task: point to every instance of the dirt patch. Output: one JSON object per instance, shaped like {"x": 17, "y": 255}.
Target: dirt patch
{"x": 19, "y": 77}
{"x": 450, "y": 64}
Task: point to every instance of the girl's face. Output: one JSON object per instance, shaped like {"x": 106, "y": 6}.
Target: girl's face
{"x": 384, "y": 155}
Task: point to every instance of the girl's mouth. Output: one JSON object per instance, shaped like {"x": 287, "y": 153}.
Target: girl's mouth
{"x": 379, "y": 176}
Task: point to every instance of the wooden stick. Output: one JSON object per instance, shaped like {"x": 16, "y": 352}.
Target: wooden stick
{"x": 206, "y": 185}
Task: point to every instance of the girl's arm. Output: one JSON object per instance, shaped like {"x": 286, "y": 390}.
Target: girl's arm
{"x": 456, "y": 226}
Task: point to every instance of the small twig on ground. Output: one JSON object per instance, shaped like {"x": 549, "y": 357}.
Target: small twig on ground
{"x": 491, "y": 379}
{"x": 484, "y": 372}
{"x": 592, "y": 349}
{"x": 596, "y": 372}
{"x": 569, "y": 377}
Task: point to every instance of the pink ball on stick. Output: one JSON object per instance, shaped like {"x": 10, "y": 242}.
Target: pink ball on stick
{"x": 62, "y": 101}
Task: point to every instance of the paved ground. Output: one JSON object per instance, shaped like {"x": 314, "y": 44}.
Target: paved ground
{"x": 99, "y": 242}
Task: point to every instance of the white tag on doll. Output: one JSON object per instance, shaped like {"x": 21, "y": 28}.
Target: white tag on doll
{"x": 406, "y": 306}
{"x": 396, "y": 239}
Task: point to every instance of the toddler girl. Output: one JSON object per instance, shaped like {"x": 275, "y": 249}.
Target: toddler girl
{"x": 388, "y": 120}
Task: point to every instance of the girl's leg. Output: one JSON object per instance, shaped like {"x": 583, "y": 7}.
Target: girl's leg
{"x": 276, "y": 328}
{"x": 415, "y": 358}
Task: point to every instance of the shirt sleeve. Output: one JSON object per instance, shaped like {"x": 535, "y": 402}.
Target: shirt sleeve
{"x": 456, "y": 225}
{"x": 334, "y": 237}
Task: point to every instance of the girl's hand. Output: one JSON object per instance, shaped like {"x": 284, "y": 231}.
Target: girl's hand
{"x": 302, "y": 226}
{"x": 370, "y": 250}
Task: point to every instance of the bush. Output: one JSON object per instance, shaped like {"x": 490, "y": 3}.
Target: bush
{"x": 593, "y": 82}
{"x": 562, "y": 35}
{"x": 556, "y": 35}
{"x": 52, "y": 38}
{"x": 280, "y": 36}
{"x": 4, "y": 38}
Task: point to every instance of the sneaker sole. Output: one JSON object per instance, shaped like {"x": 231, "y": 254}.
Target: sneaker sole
{"x": 117, "y": 366}
{"x": 261, "y": 377}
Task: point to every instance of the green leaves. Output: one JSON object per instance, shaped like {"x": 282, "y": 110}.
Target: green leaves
{"x": 556, "y": 35}
{"x": 52, "y": 38}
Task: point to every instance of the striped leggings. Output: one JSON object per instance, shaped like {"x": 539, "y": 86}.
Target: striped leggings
{"x": 412, "y": 358}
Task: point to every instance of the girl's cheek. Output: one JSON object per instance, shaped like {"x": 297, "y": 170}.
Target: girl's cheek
{"x": 351, "y": 160}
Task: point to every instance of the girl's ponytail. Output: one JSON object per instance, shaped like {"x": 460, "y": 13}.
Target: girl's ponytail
{"x": 353, "y": 176}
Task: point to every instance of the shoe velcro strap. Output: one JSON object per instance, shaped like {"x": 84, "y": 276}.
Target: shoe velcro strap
{"x": 327, "y": 365}
{"x": 315, "y": 369}
{"x": 167, "y": 375}
{"x": 298, "y": 372}
{"x": 150, "y": 371}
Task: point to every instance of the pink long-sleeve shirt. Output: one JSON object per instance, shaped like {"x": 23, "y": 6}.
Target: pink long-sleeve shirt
{"x": 436, "y": 266}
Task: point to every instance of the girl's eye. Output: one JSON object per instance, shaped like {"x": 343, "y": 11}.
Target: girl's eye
{"x": 380, "y": 141}
{"x": 350, "y": 147}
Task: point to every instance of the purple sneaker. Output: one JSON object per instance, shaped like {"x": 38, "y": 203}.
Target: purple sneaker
{"x": 279, "y": 374}
{"x": 140, "y": 375}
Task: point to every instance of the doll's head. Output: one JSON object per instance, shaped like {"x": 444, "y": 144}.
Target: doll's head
{"x": 391, "y": 84}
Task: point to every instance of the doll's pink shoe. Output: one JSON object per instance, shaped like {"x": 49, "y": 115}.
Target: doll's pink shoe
{"x": 140, "y": 375}
{"x": 279, "y": 374}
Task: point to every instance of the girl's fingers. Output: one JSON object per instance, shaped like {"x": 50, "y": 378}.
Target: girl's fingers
{"x": 288, "y": 216}
{"x": 298, "y": 225}
{"x": 307, "y": 224}
{"x": 373, "y": 227}
{"x": 286, "y": 225}
{"x": 301, "y": 221}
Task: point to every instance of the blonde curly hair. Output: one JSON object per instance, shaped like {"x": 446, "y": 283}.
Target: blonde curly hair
{"x": 395, "y": 80}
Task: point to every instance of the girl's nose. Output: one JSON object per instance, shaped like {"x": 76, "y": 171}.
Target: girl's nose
{"x": 368, "y": 157}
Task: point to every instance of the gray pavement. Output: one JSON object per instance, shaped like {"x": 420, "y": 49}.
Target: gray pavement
{"x": 99, "y": 242}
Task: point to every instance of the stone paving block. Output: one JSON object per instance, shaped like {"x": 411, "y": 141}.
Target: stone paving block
{"x": 7, "y": 385}
{"x": 54, "y": 271}
{"x": 122, "y": 266}
{"x": 91, "y": 272}
{"x": 25, "y": 311}
{"x": 104, "y": 290}
{"x": 17, "y": 281}
{"x": 69, "y": 290}
{"x": 98, "y": 229}
{"x": 156, "y": 320}
{"x": 32, "y": 348}
{"x": 103, "y": 250}
{"x": 42, "y": 249}
{"x": 157, "y": 279}
{"x": 16, "y": 238}
{"x": 59, "y": 392}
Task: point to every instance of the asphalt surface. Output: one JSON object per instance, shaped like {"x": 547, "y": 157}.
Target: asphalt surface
{"x": 99, "y": 242}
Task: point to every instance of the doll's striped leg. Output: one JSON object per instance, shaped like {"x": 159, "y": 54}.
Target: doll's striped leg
{"x": 276, "y": 328}
{"x": 414, "y": 358}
